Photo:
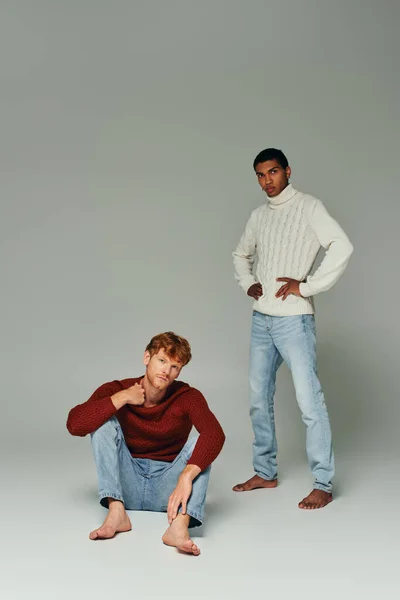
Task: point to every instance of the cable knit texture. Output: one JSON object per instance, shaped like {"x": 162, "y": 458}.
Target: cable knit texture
{"x": 158, "y": 432}
{"x": 286, "y": 233}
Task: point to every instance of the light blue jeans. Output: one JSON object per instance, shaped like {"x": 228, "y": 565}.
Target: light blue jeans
{"x": 289, "y": 339}
{"x": 142, "y": 483}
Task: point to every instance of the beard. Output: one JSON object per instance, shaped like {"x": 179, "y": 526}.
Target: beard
{"x": 157, "y": 383}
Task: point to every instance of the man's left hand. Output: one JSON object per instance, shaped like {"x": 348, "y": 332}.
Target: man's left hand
{"x": 291, "y": 286}
{"x": 179, "y": 496}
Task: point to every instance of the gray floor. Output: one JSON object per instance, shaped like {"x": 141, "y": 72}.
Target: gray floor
{"x": 258, "y": 542}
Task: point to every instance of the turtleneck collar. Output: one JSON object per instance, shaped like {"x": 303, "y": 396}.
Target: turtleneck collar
{"x": 283, "y": 198}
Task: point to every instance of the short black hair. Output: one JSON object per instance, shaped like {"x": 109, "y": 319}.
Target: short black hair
{"x": 271, "y": 154}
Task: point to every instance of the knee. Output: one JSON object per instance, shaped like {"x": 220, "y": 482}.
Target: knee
{"x": 312, "y": 411}
{"x": 310, "y": 398}
{"x": 262, "y": 389}
{"x": 109, "y": 429}
{"x": 207, "y": 469}
{"x": 259, "y": 406}
{"x": 191, "y": 444}
{"x": 189, "y": 447}
{"x": 257, "y": 390}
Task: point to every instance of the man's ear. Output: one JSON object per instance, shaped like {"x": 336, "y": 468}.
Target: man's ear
{"x": 288, "y": 172}
{"x": 146, "y": 358}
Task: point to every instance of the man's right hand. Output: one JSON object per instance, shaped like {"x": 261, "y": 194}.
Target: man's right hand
{"x": 132, "y": 395}
{"x": 255, "y": 291}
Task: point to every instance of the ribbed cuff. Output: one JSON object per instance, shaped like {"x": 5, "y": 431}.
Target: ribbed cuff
{"x": 198, "y": 463}
{"x": 245, "y": 284}
{"x": 305, "y": 290}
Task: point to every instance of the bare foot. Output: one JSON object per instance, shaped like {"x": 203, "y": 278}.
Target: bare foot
{"x": 116, "y": 521}
{"x": 255, "y": 483}
{"x": 177, "y": 535}
{"x": 316, "y": 499}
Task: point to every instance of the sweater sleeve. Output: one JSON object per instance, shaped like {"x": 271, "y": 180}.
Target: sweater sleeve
{"x": 211, "y": 438}
{"x": 244, "y": 255}
{"x": 338, "y": 251}
{"x": 89, "y": 416}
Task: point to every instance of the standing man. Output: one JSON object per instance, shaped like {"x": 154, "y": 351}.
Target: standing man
{"x": 139, "y": 429}
{"x": 286, "y": 234}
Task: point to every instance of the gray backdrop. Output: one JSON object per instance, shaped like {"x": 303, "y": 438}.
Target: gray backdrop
{"x": 128, "y": 134}
{"x": 128, "y": 131}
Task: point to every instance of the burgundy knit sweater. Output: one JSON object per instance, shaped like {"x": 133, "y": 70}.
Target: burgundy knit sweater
{"x": 157, "y": 432}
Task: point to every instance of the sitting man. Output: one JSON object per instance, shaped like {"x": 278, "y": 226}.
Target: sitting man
{"x": 139, "y": 430}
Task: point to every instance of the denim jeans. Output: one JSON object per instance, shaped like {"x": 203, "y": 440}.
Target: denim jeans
{"x": 142, "y": 483}
{"x": 290, "y": 339}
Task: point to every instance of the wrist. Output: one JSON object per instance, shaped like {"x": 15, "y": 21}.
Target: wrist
{"x": 190, "y": 472}
{"x": 119, "y": 399}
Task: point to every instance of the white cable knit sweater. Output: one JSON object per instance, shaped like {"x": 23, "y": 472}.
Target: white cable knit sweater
{"x": 286, "y": 234}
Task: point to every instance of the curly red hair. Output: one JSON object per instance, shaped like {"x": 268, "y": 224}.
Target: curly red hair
{"x": 173, "y": 345}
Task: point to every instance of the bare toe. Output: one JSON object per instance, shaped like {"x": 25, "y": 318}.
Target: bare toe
{"x": 316, "y": 499}
{"x": 102, "y": 533}
{"x": 254, "y": 483}
{"x": 189, "y": 548}
{"x": 113, "y": 524}
{"x": 238, "y": 488}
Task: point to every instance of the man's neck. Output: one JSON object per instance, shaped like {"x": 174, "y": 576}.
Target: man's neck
{"x": 284, "y": 197}
{"x": 151, "y": 394}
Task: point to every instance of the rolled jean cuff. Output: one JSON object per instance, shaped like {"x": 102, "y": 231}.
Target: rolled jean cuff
{"x": 322, "y": 487}
{"x": 265, "y": 477}
{"x": 104, "y": 498}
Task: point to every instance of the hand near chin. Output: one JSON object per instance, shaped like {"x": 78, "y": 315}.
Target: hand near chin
{"x": 135, "y": 394}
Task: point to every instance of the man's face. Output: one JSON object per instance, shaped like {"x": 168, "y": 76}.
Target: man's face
{"x": 272, "y": 177}
{"x": 161, "y": 369}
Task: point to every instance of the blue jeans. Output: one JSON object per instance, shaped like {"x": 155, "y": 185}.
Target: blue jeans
{"x": 289, "y": 339}
{"x": 142, "y": 483}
